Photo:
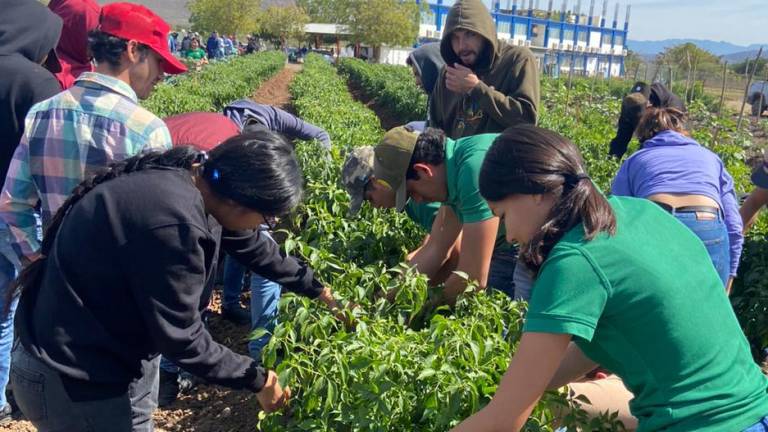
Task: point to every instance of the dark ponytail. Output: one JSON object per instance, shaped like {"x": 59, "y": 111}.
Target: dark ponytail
{"x": 258, "y": 171}
{"x": 529, "y": 160}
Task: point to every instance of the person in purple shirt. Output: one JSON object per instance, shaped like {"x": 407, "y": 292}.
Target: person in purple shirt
{"x": 250, "y": 115}
{"x": 687, "y": 180}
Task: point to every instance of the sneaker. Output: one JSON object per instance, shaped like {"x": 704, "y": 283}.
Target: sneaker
{"x": 188, "y": 382}
{"x": 6, "y": 414}
{"x": 237, "y": 315}
{"x": 169, "y": 388}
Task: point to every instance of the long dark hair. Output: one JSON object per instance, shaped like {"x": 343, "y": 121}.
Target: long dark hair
{"x": 258, "y": 171}
{"x": 529, "y": 160}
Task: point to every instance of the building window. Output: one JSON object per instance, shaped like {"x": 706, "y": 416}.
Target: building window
{"x": 583, "y": 37}
{"x": 521, "y": 30}
{"x": 619, "y": 40}
{"x": 606, "y": 39}
{"x": 554, "y": 34}
{"x": 504, "y": 27}
{"x": 568, "y": 35}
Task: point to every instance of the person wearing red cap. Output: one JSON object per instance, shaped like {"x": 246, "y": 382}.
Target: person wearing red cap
{"x": 96, "y": 122}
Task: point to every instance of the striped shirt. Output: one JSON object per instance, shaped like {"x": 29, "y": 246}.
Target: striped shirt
{"x": 67, "y": 137}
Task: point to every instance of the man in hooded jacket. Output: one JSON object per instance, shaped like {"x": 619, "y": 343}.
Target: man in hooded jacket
{"x": 79, "y": 17}
{"x": 485, "y": 86}
{"x": 28, "y": 34}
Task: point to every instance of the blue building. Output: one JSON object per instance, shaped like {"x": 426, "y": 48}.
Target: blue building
{"x": 561, "y": 39}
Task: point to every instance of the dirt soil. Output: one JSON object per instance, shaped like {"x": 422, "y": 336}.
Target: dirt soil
{"x": 212, "y": 408}
{"x": 388, "y": 121}
{"x": 275, "y": 90}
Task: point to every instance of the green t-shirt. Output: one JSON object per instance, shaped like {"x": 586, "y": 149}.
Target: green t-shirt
{"x": 196, "y": 54}
{"x": 422, "y": 213}
{"x": 463, "y": 161}
{"x": 648, "y": 305}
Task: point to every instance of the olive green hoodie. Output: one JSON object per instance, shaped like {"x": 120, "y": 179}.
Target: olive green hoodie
{"x": 508, "y": 92}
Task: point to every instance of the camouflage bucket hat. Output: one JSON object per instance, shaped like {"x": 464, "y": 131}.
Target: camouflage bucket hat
{"x": 357, "y": 170}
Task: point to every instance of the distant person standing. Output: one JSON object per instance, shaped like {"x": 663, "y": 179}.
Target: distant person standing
{"x": 212, "y": 46}
{"x": 186, "y": 41}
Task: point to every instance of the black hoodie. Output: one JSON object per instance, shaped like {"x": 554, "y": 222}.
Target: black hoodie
{"x": 28, "y": 33}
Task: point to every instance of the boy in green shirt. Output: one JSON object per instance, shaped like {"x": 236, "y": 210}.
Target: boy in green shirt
{"x": 432, "y": 168}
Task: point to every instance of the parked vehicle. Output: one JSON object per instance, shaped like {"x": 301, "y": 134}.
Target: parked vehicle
{"x": 756, "y": 90}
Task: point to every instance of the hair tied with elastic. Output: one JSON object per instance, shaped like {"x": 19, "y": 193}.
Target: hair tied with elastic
{"x": 574, "y": 179}
{"x": 201, "y": 158}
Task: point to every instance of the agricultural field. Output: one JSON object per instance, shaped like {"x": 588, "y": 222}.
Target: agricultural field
{"x": 406, "y": 366}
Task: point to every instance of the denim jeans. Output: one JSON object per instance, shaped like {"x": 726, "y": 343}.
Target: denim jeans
{"x": 265, "y": 296}
{"x": 43, "y": 399}
{"x": 761, "y": 426}
{"x": 714, "y": 234}
{"x": 509, "y": 276}
{"x": 9, "y": 264}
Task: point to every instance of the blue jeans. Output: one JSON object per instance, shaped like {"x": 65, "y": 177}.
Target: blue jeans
{"x": 265, "y": 296}
{"x": 714, "y": 234}
{"x": 761, "y": 426}
{"x": 9, "y": 264}
{"x": 508, "y": 275}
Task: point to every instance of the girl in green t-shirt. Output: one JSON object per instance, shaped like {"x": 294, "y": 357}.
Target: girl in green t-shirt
{"x": 620, "y": 283}
{"x": 196, "y": 53}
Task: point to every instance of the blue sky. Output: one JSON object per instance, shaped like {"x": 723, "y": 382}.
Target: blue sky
{"x": 741, "y": 22}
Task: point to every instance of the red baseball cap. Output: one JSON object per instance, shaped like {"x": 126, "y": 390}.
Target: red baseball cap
{"x": 136, "y": 22}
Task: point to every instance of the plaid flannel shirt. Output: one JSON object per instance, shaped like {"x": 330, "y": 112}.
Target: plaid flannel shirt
{"x": 67, "y": 137}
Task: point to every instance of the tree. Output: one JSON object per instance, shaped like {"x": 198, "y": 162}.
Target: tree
{"x": 741, "y": 68}
{"x": 385, "y": 22}
{"x": 328, "y": 11}
{"x": 281, "y": 23}
{"x": 233, "y": 16}
{"x": 632, "y": 62}
{"x": 687, "y": 61}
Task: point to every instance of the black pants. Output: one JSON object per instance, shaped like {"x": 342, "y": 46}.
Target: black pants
{"x": 39, "y": 391}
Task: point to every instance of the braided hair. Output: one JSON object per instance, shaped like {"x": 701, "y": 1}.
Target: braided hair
{"x": 258, "y": 171}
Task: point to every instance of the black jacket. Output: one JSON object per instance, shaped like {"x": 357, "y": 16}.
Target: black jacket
{"x": 28, "y": 32}
{"x": 632, "y": 109}
{"x": 124, "y": 282}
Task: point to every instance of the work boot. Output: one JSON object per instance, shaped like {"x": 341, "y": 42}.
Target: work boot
{"x": 169, "y": 388}
{"x": 6, "y": 414}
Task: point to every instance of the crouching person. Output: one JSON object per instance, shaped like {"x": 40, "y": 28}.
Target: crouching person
{"x": 124, "y": 265}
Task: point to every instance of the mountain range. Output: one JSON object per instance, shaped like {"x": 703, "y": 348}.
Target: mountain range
{"x": 726, "y": 50}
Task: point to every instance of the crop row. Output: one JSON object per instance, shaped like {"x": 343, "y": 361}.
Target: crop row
{"x": 215, "y": 86}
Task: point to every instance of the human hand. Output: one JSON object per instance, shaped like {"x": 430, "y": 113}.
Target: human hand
{"x": 460, "y": 79}
{"x": 272, "y": 397}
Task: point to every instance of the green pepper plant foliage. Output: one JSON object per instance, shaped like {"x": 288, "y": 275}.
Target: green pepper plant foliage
{"x": 215, "y": 86}
{"x": 405, "y": 365}
{"x": 391, "y": 86}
